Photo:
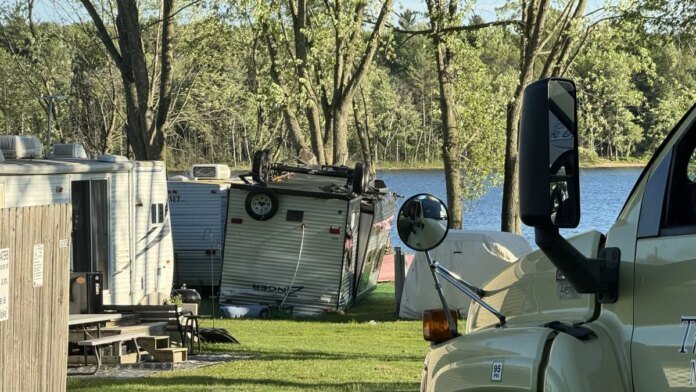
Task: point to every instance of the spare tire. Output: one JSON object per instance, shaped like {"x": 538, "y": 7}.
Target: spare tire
{"x": 260, "y": 165}
{"x": 261, "y": 204}
{"x": 361, "y": 177}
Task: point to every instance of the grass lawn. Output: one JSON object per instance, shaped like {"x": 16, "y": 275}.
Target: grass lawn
{"x": 331, "y": 353}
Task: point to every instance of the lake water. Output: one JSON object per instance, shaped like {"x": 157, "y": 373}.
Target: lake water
{"x": 602, "y": 194}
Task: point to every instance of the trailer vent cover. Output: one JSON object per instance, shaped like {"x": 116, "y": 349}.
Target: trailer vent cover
{"x": 20, "y": 146}
{"x": 68, "y": 150}
{"x": 210, "y": 171}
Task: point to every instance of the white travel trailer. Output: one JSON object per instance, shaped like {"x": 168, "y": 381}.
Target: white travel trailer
{"x": 306, "y": 237}
{"x": 198, "y": 207}
{"x": 120, "y": 218}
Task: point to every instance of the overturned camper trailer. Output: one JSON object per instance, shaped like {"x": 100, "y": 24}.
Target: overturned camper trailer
{"x": 309, "y": 237}
{"x": 120, "y": 214}
{"x": 198, "y": 207}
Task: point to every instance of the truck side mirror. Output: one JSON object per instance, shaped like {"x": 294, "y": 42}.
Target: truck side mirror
{"x": 423, "y": 222}
{"x": 550, "y": 186}
{"x": 549, "y": 170}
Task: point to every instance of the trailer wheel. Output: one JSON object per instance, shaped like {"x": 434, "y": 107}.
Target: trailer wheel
{"x": 260, "y": 165}
{"x": 361, "y": 177}
{"x": 261, "y": 204}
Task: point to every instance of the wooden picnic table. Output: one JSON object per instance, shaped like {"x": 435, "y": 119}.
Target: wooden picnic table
{"x": 82, "y": 321}
{"x": 90, "y": 319}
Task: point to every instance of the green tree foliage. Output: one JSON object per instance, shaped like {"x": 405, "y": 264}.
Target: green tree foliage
{"x": 251, "y": 75}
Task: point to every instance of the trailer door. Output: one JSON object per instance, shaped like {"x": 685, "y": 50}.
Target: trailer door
{"x": 91, "y": 227}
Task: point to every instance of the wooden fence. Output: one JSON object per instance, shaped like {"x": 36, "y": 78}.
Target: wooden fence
{"x": 34, "y": 274}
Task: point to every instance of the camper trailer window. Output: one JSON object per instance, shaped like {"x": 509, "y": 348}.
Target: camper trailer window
{"x": 153, "y": 214}
{"x": 157, "y": 213}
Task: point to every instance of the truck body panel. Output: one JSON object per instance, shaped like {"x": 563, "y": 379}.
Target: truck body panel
{"x": 532, "y": 292}
{"x": 468, "y": 362}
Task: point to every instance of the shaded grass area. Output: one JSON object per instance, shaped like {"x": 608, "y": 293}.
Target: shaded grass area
{"x": 334, "y": 352}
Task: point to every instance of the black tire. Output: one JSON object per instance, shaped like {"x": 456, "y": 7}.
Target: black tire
{"x": 260, "y": 165}
{"x": 261, "y": 204}
{"x": 361, "y": 177}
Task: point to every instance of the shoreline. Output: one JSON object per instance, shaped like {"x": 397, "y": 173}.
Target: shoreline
{"x": 602, "y": 164}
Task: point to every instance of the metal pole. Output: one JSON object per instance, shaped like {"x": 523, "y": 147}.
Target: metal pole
{"x": 399, "y": 276}
{"x": 50, "y": 122}
{"x": 212, "y": 277}
{"x": 209, "y": 231}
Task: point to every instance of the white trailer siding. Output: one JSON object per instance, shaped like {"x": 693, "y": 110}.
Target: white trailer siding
{"x": 198, "y": 210}
{"x": 120, "y": 200}
{"x": 261, "y": 256}
{"x": 154, "y": 256}
{"x": 37, "y": 189}
{"x": 43, "y": 182}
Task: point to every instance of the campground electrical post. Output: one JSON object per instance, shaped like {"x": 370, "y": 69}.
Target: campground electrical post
{"x": 50, "y": 99}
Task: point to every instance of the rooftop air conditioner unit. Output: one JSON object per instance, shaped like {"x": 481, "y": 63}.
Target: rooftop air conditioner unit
{"x": 210, "y": 172}
{"x": 112, "y": 158}
{"x": 68, "y": 150}
{"x": 20, "y": 146}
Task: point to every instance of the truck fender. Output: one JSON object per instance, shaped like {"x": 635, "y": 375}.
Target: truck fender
{"x": 579, "y": 366}
{"x": 501, "y": 359}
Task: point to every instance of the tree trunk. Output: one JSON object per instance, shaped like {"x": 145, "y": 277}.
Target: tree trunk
{"x": 534, "y": 18}
{"x": 442, "y": 15}
{"x": 450, "y": 148}
{"x": 299, "y": 24}
{"x": 510, "y": 219}
{"x": 314, "y": 122}
{"x": 363, "y": 130}
{"x": 340, "y": 131}
{"x": 157, "y": 135}
{"x": 288, "y": 113}
{"x": 144, "y": 129}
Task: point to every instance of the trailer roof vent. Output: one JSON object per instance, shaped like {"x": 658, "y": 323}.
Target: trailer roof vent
{"x": 20, "y": 146}
{"x": 112, "y": 158}
{"x": 210, "y": 172}
{"x": 178, "y": 178}
{"x": 68, "y": 150}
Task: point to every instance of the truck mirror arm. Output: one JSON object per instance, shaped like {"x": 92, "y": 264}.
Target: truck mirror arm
{"x": 587, "y": 275}
{"x": 471, "y": 291}
{"x": 438, "y": 287}
{"x": 457, "y": 280}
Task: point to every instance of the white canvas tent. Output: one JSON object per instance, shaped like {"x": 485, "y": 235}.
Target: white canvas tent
{"x": 476, "y": 256}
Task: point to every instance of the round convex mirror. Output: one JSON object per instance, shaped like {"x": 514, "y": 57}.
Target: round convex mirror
{"x": 423, "y": 222}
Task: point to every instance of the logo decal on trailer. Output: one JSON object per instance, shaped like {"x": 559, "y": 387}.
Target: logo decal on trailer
{"x": 497, "y": 371}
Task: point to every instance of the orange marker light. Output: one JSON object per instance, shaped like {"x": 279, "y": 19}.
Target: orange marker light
{"x": 435, "y": 326}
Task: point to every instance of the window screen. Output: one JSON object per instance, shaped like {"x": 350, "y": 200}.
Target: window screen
{"x": 160, "y": 213}
{"x": 153, "y": 214}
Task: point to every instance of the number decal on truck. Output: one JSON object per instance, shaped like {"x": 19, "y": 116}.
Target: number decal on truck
{"x": 497, "y": 371}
